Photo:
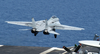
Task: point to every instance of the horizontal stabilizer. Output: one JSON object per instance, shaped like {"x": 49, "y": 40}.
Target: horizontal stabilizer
{"x": 24, "y": 29}
{"x": 53, "y": 32}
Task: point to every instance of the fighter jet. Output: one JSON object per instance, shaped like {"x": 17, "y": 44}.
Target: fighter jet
{"x": 47, "y": 26}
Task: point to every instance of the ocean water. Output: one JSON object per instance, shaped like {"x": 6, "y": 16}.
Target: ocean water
{"x": 79, "y": 13}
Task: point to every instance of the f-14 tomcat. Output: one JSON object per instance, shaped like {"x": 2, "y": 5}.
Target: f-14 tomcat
{"x": 47, "y": 26}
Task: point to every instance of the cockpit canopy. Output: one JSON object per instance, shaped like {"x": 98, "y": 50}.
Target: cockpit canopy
{"x": 54, "y": 17}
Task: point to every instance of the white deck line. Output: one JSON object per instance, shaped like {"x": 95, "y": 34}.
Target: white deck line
{"x": 1, "y": 45}
{"x": 65, "y": 52}
{"x": 51, "y": 49}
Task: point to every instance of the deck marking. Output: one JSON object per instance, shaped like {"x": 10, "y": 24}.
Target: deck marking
{"x": 1, "y": 45}
{"x": 65, "y": 52}
{"x": 51, "y": 49}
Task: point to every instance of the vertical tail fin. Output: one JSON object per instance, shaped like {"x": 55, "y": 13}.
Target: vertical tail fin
{"x": 46, "y": 24}
{"x": 33, "y": 23}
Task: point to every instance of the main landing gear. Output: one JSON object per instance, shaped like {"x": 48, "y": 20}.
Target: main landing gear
{"x": 55, "y": 35}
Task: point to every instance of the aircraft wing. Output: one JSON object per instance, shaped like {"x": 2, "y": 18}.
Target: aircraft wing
{"x": 54, "y": 23}
{"x": 66, "y": 27}
{"x": 39, "y": 24}
{"x": 20, "y": 23}
{"x": 51, "y": 31}
{"x": 23, "y": 23}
